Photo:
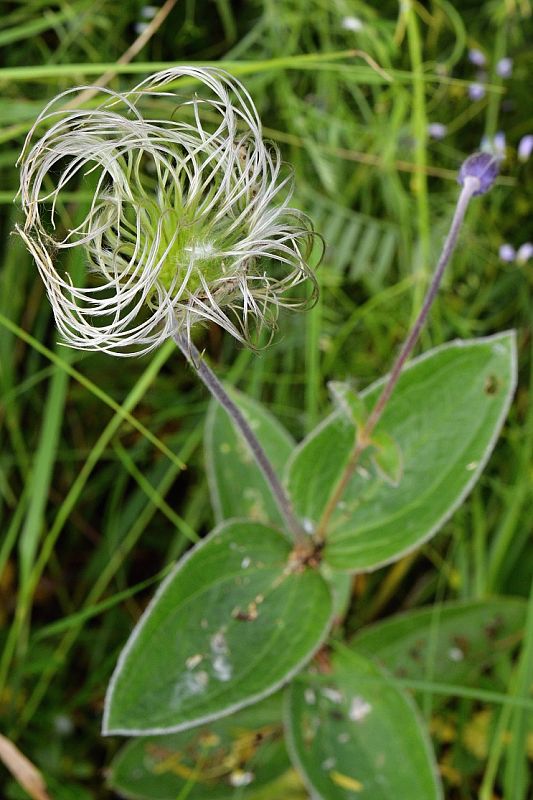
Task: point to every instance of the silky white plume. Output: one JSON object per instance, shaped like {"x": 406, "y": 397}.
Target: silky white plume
{"x": 189, "y": 219}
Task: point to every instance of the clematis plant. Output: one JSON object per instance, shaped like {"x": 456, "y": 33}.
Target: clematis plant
{"x": 233, "y": 662}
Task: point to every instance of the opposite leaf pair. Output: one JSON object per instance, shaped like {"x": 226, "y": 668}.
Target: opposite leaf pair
{"x": 239, "y": 616}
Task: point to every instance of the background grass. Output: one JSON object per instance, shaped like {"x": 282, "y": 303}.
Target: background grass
{"x": 94, "y": 502}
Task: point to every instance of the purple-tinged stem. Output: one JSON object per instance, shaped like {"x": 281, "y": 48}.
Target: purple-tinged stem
{"x": 215, "y": 387}
{"x": 470, "y": 187}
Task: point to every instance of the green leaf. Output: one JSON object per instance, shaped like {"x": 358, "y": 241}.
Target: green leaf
{"x": 317, "y": 465}
{"x": 240, "y": 753}
{"x": 236, "y": 484}
{"x": 230, "y": 624}
{"x": 453, "y": 642}
{"x": 354, "y": 734}
{"x": 340, "y": 584}
{"x": 387, "y": 458}
{"x": 349, "y": 402}
{"x": 445, "y": 415}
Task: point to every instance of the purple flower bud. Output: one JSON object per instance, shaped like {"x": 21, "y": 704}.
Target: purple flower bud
{"x": 525, "y": 251}
{"x": 504, "y": 67}
{"x": 507, "y": 252}
{"x": 482, "y": 166}
{"x": 437, "y": 130}
{"x": 476, "y": 91}
{"x": 477, "y": 57}
{"x": 525, "y": 147}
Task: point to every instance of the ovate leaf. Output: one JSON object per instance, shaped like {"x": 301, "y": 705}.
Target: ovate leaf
{"x": 354, "y": 734}
{"x": 453, "y": 643}
{"x": 234, "y": 756}
{"x": 228, "y": 626}
{"x": 445, "y": 416}
{"x": 236, "y": 484}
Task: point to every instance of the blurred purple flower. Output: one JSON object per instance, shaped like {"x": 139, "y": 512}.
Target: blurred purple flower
{"x": 477, "y": 57}
{"x": 504, "y": 67}
{"x": 507, "y": 252}
{"x": 436, "y": 130}
{"x": 524, "y": 253}
{"x": 495, "y": 146}
{"x": 525, "y": 147}
{"x": 476, "y": 91}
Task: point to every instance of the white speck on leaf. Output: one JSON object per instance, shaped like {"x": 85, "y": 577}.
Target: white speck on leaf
{"x": 329, "y": 763}
{"x": 245, "y": 563}
{"x": 222, "y": 668}
{"x": 202, "y": 679}
{"x": 473, "y": 465}
{"x": 241, "y": 778}
{"x": 189, "y": 685}
{"x": 310, "y": 697}
{"x": 343, "y": 738}
{"x": 333, "y": 695}
{"x": 218, "y": 642}
{"x": 359, "y": 709}
{"x": 193, "y": 661}
{"x": 221, "y": 664}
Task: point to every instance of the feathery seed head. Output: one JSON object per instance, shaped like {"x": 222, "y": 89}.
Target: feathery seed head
{"x": 189, "y": 219}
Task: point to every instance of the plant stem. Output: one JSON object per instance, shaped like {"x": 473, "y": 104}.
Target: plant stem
{"x": 212, "y": 383}
{"x": 364, "y": 435}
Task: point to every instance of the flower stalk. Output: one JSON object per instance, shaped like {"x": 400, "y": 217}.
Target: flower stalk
{"x": 215, "y": 387}
{"x": 476, "y": 177}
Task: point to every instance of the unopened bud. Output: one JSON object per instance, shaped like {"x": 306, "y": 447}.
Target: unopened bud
{"x": 483, "y": 167}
